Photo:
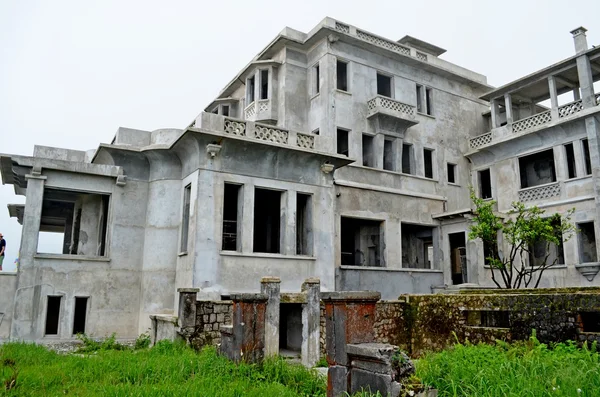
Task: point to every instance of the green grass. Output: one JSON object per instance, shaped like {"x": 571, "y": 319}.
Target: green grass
{"x": 522, "y": 369}
{"x": 166, "y": 370}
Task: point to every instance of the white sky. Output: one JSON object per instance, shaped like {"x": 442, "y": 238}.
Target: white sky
{"x": 72, "y": 72}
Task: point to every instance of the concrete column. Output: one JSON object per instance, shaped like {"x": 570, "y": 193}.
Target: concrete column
{"x": 553, "y": 97}
{"x": 397, "y": 149}
{"x": 560, "y": 162}
{"x": 579, "y": 160}
{"x": 186, "y": 314}
{"x": 270, "y": 286}
{"x": 310, "y": 322}
{"x": 576, "y": 94}
{"x": 584, "y": 70}
{"x": 592, "y": 126}
{"x": 378, "y": 142}
{"x": 509, "y": 109}
{"x": 31, "y": 218}
{"x": 495, "y": 113}
{"x": 288, "y": 221}
{"x": 68, "y": 233}
{"x": 248, "y": 218}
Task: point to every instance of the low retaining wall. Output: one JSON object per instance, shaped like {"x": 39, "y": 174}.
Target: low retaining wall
{"x": 8, "y": 286}
{"x": 420, "y": 323}
{"x": 210, "y": 315}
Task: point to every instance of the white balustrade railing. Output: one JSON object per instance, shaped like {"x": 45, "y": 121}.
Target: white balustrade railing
{"x": 234, "y": 127}
{"x": 381, "y": 102}
{"x": 570, "y": 108}
{"x": 305, "y": 141}
{"x": 532, "y": 121}
{"x": 540, "y": 192}
{"x": 480, "y": 140}
{"x": 271, "y": 134}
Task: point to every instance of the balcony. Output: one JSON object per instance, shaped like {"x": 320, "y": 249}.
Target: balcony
{"x": 540, "y": 192}
{"x": 260, "y": 110}
{"x": 390, "y": 115}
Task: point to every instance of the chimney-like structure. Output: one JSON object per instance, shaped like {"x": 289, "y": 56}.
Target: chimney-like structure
{"x": 580, "y": 39}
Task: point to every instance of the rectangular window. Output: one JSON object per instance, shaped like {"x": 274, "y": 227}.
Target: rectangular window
{"x": 74, "y": 223}
{"x": 267, "y": 220}
{"x": 429, "y": 101}
{"x": 80, "y": 315}
{"x": 250, "y": 90}
{"x": 316, "y": 79}
{"x": 232, "y": 209}
{"x": 417, "y": 246}
{"x": 490, "y": 248}
{"x": 570, "y": 156}
{"x": 316, "y": 132}
{"x": 384, "y": 85}
{"x": 586, "y": 156}
{"x": 587, "y": 243}
{"x": 264, "y": 84}
{"x": 303, "y": 224}
{"x": 367, "y": 151}
{"x": 225, "y": 110}
{"x": 185, "y": 218}
{"x": 342, "y": 142}
{"x": 408, "y": 159}
{"x": 342, "y": 75}
{"x": 485, "y": 184}
{"x": 215, "y": 110}
{"x": 419, "y": 98}
{"x": 543, "y": 253}
{"x": 389, "y": 158}
{"x": 451, "y": 170}
{"x": 537, "y": 169}
{"x": 487, "y": 318}
{"x": 428, "y": 162}
{"x": 52, "y": 315}
{"x": 361, "y": 242}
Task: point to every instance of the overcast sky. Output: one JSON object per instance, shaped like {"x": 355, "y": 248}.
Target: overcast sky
{"x": 72, "y": 72}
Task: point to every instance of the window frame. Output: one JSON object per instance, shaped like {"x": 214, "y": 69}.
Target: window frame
{"x": 348, "y": 79}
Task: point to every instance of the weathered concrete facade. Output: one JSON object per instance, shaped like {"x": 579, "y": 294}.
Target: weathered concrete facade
{"x": 334, "y": 154}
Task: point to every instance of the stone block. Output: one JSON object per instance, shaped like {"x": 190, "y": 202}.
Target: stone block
{"x": 371, "y": 382}
{"x": 212, "y": 318}
{"x": 220, "y": 317}
{"x": 337, "y": 381}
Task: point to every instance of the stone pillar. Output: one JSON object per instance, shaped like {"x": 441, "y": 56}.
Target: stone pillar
{"x": 378, "y": 143}
{"x": 248, "y": 328}
{"x": 509, "y": 109}
{"x": 592, "y": 126}
{"x": 186, "y": 315}
{"x": 310, "y": 322}
{"x": 288, "y": 223}
{"x": 270, "y": 286}
{"x": 247, "y": 218}
{"x": 349, "y": 318}
{"x": 553, "y": 97}
{"x": 32, "y": 216}
{"x": 584, "y": 71}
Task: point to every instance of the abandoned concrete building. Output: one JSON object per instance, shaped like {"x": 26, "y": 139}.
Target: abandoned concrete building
{"x": 335, "y": 154}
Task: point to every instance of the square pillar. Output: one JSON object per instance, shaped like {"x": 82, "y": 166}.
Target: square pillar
{"x": 288, "y": 223}
{"x": 32, "y": 217}
{"x": 311, "y": 318}
{"x": 495, "y": 113}
{"x": 271, "y": 287}
{"x": 553, "y": 97}
{"x": 509, "y": 109}
{"x": 186, "y": 314}
{"x": 378, "y": 142}
{"x": 248, "y": 218}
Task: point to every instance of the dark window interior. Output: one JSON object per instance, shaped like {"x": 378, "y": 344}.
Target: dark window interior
{"x": 451, "y": 173}
{"x": 485, "y": 184}
{"x": 570, "y": 154}
{"x": 185, "y": 220}
{"x": 428, "y": 162}
{"x": 388, "y": 155}
{"x": 407, "y": 159}
{"x": 264, "y": 84}
{"x": 342, "y": 76}
{"x": 52, "y": 315}
{"x": 267, "y": 220}
{"x": 231, "y": 226}
{"x": 590, "y": 321}
{"x": 317, "y": 79}
{"x": 361, "y": 242}
{"x": 384, "y": 85}
{"x": 290, "y": 327}
{"x": 225, "y": 110}
{"x": 303, "y": 224}
{"x": 342, "y": 142}
{"x": 367, "y": 151}
{"x": 586, "y": 157}
{"x": 537, "y": 169}
{"x": 419, "y": 98}
{"x": 587, "y": 243}
{"x": 80, "y": 315}
{"x": 429, "y": 100}
{"x": 250, "y": 91}
{"x": 488, "y": 318}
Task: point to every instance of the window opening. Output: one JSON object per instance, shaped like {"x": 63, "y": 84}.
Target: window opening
{"x": 458, "y": 258}
{"x": 303, "y": 224}
{"x": 540, "y": 249}
{"x": 408, "y": 159}
{"x": 361, "y": 242}
{"x": 384, "y": 85}
{"x": 537, "y": 169}
{"x": 586, "y": 156}
{"x": 232, "y": 209}
{"x": 419, "y": 98}
{"x": 587, "y": 243}
{"x": 185, "y": 219}
{"x": 590, "y": 321}
{"x": 367, "y": 151}
{"x": 417, "y": 246}
{"x": 317, "y": 79}
{"x": 429, "y": 101}
{"x": 485, "y": 184}
{"x": 52, "y": 315}
{"x": 264, "y": 84}
{"x": 250, "y": 90}
{"x": 290, "y": 328}
{"x": 80, "y": 315}
{"x": 428, "y": 162}
{"x": 267, "y": 220}
{"x": 451, "y": 169}
{"x": 342, "y": 75}
{"x": 225, "y": 109}
{"x": 570, "y": 156}
{"x": 342, "y": 142}
{"x": 389, "y": 158}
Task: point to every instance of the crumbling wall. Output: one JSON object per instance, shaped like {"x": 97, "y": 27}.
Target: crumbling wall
{"x": 210, "y": 315}
{"x": 421, "y": 323}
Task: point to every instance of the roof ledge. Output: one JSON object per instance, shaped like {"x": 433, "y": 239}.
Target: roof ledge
{"x": 422, "y": 45}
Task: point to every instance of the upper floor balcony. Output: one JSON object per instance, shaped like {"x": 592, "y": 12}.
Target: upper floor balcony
{"x": 557, "y": 94}
{"x": 390, "y": 114}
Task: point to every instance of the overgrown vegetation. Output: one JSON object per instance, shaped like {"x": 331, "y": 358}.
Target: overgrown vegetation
{"x": 167, "y": 369}
{"x": 523, "y": 228}
{"x": 519, "y": 369}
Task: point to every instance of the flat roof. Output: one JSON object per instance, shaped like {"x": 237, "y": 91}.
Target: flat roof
{"x": 422, "y": 45}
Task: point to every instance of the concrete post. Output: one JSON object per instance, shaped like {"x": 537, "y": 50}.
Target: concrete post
{"x": 32, "y": 217}
{"x": 248, "y": 218}
{"x": 495, "y": 113}
{"x": 576, "y": 94}
{"x": 288, "y": 222}
{"x": 509, "y": 109}
{"x": 186, "y": 315}
{"x": 584, "y": 71}
{"x": 553, "y": 97}
{"x": 349, "y": 318}
{"x": 592, "y": 126}
{"x": 310, "y": 322}
{"x": 579, "y": 160}
{"x": 270, "y": 286}
{"x": 378, "y": 143}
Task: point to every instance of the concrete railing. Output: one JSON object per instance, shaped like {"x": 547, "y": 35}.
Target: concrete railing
{"x": 540, "y": 192}
{"x": 532, "y": 121}
{"x": 480, "y": 140}
{"x": 389, "y": 105}
{"x": 570, "y": 108}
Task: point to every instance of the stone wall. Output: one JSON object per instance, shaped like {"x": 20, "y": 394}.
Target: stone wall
{"x": 420, "y": 323}
{"x": 210, "y": 315}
